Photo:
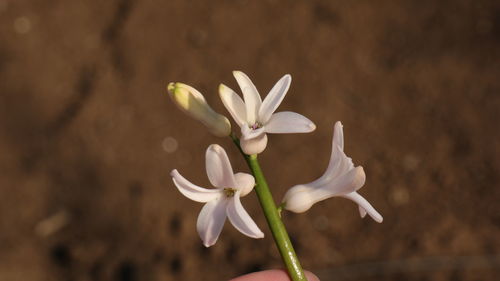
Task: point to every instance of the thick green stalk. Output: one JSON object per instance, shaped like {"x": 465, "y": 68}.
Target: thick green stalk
{"x": 277, "y": 227}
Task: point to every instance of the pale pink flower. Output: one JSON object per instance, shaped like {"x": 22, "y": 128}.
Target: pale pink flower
{"x": 257, "y": 117}
{"x": 340, "y": 179}
{"x": 221, "y": 202}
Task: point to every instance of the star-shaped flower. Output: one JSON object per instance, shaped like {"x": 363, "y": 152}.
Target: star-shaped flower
{"x": 257, "y": 117}
{"x": 340, "y": 179}
{"x": 221, "y": 202}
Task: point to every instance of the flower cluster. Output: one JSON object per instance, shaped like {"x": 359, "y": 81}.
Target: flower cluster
{"x": 256, "y": 118}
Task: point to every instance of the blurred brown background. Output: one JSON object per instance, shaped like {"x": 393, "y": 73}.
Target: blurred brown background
{"x": 88, "y": 136}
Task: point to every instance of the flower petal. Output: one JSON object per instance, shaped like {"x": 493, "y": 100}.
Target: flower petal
{"x": 192, "y": 191}
{"x": 219, "y": 170}
{"x": 365, "y": 205}
{"x": 234, "y": 104}
{"x": 344, "y": 163}
{"x": 344, "y": 184}
{"x": 240, "y": 219}
{"x": 339, "y": 162}
{"x": 274, "y": 98}
{"x": 289, "y": 122}
{"x": 329, "y": 174}
{"x": 211, "y": 220}
{"x": 244, "y": 183}
{"x": 250, "y": 94}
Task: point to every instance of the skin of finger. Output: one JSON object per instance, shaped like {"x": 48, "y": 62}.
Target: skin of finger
{"x": 272, "y": 275}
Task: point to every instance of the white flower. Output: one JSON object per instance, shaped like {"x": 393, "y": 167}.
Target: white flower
{"x": 222, "y": 201}
{"x": 192, "y": 102}
{"x": 340, "y": 179}
{"x": 257, "y": 117}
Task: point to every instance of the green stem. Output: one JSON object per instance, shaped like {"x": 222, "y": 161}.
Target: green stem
{"x": 273, "y": 218}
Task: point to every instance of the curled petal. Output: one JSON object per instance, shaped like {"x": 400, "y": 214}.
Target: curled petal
{"x": 274, "y": 98}
{"x": 341, "y": 165}
{"x": 255, "y": 145}
{"x": 192, "y": 191}
{"x": 339, "y": 162}
{"x": 250, "y": 94}
{"x": 338, "y": 135}
{"x": 244, "y": 183}
{"x": 289, "y": 122}
{"x": 240, "y": 219}
{"x": 219, "y": 170}
{"x": 365, "y": 205}
{"x": 336, "y": 162}
{"x": 211, "y": 220}
{"x": 362, "y": 212}
{"x": 234, "y": 104}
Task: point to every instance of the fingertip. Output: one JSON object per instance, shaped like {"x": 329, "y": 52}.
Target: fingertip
{"x": 311, "y": 276}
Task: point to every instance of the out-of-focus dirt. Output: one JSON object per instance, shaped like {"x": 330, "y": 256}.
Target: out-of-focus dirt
{"x": 88, "y": 136}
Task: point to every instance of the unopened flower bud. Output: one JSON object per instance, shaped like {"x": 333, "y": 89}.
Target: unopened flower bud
{"x": 192, "y": 102}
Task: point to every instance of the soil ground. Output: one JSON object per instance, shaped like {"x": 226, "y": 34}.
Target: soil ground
{"x": 88, "y": 136}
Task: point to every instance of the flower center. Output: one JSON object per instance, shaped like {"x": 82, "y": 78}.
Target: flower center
{"x": 255, "y": 126}
{"x": 229, "y": 192}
